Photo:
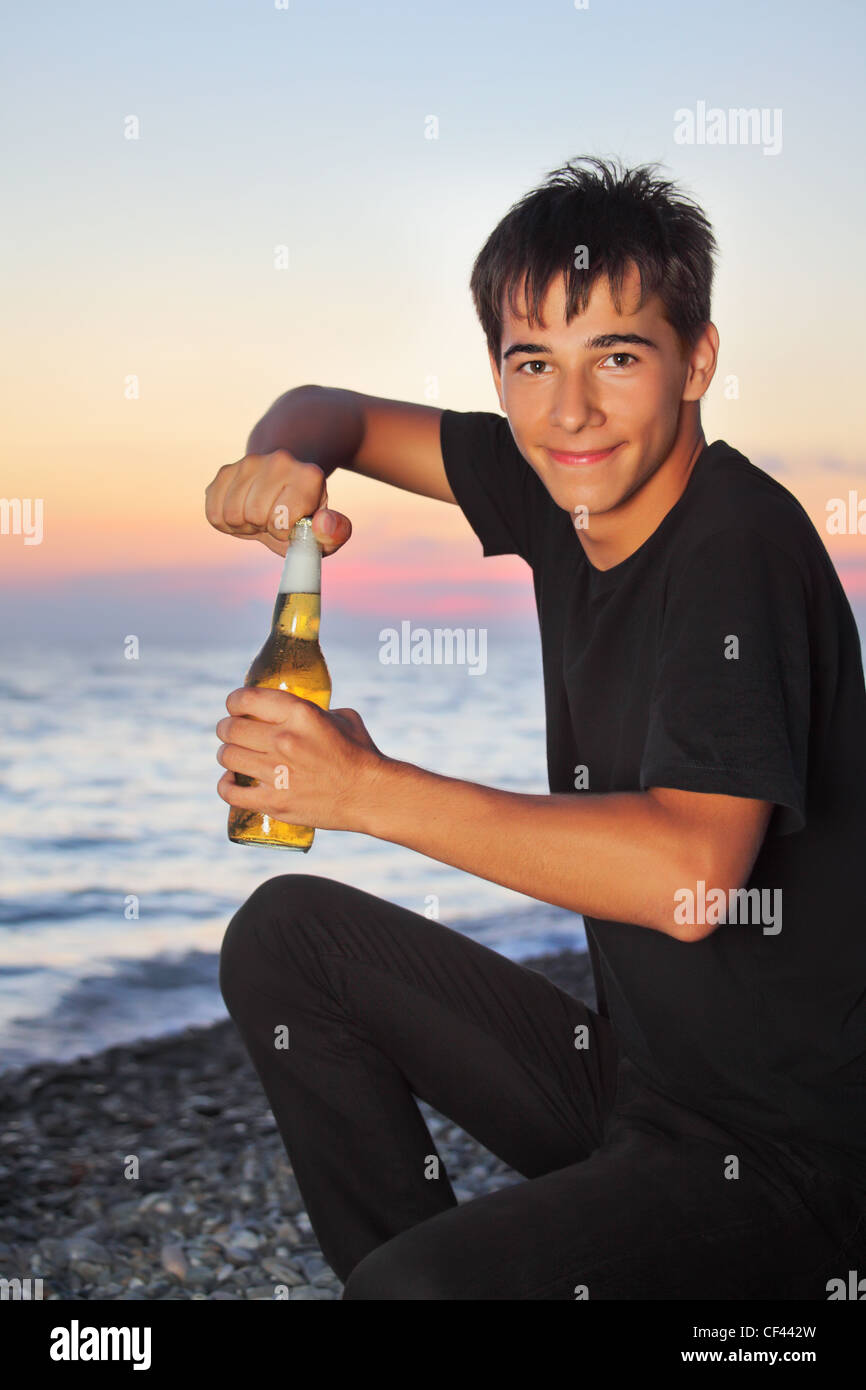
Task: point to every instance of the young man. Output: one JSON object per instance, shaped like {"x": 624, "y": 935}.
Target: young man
{"x": 702, "y": 1133}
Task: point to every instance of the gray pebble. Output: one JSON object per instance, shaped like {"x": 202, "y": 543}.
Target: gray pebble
{"x": 314, "y": 1267}
{"x": 280, "y": 1272}
{"x": 245, "y": 1240}
{"x": 237, "y": 1257}
{"x": 216, "y": 1213}
{"x": 79, "y": 1247}
{"x": 174, "y": 1261}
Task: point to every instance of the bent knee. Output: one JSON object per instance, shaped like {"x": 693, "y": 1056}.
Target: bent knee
{"x": 262, "y": 925}
{"x": 260, "y": 922}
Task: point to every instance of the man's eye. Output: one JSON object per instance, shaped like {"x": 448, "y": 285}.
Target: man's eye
{"x": 630, "y": 355}
{"x": 534, "y": 362}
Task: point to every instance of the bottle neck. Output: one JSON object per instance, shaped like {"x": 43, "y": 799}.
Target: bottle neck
{"x": 302, "y": 568}
{"x": 298, "y": 607}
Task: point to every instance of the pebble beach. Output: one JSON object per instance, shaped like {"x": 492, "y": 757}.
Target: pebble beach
{"x": 215, "y": 1211}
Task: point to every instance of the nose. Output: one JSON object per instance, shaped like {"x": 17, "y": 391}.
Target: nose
{"x": 573, "y": 406}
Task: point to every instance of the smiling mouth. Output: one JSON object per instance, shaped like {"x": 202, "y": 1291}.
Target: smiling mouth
{"x": 588, "y": 456}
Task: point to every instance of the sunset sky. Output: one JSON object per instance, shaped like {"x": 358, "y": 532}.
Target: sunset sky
{"x": 304, "y": 126}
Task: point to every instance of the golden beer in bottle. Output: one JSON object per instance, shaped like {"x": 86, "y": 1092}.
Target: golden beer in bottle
{"x": 292, "y": 660}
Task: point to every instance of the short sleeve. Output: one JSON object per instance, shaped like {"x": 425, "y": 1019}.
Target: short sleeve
{"x": 730, "y": 708}
{"x": 497, "y": 491}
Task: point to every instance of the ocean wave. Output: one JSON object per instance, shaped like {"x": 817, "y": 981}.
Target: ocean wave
{"x": 108, "y": 903}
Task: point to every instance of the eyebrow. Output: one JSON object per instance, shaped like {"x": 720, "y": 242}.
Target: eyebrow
{"x": 602, "y": 340}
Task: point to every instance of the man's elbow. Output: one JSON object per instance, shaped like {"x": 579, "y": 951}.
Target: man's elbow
{"x": 699, "y": 905}
{"x": 709, "y": 844}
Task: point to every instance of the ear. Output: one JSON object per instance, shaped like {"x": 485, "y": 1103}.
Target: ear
{"x": 701, "y": 364}
{"x": 497, "y": 379}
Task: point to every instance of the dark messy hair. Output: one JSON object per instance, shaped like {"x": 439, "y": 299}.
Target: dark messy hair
{"x": 621, "y": 216}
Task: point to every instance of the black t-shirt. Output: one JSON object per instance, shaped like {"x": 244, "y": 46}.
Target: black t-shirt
{"x": 756, "y": 1025}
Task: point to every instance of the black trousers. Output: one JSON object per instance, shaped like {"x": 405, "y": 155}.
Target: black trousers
{"x": 350, "y": 1007}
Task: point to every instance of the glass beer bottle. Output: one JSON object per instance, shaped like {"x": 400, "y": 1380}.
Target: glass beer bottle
{"x": 292, "y": 660}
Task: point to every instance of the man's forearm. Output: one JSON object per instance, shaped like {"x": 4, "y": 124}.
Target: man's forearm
{"x": 317, "y": 424}
{"x": 618, "y": 856}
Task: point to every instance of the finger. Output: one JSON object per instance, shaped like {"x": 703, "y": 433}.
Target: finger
{"x": 234, "y": 502}
{"x": 215, "y": 495}
{"x": 280, "y": 492}
{"x": 328, "y": 543}
{"x": 245, "y": 533}
{"x": 331, "y": 541}
{"x": 245, "y": 732}
{"x": 278, "y": 547}
{"x": 261, "y": 766}
{"x": 247, "y": 798}
{"x": 288, "y": 506}
{"x": 273, "y": 706}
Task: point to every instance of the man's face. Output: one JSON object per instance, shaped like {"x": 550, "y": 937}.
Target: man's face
{"x": 606, "y": 389}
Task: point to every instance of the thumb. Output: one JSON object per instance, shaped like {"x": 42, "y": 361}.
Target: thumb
{"x": 333, "y": 539}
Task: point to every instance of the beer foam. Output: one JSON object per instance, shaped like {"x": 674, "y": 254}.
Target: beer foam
{"x": 302, "y": 568}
